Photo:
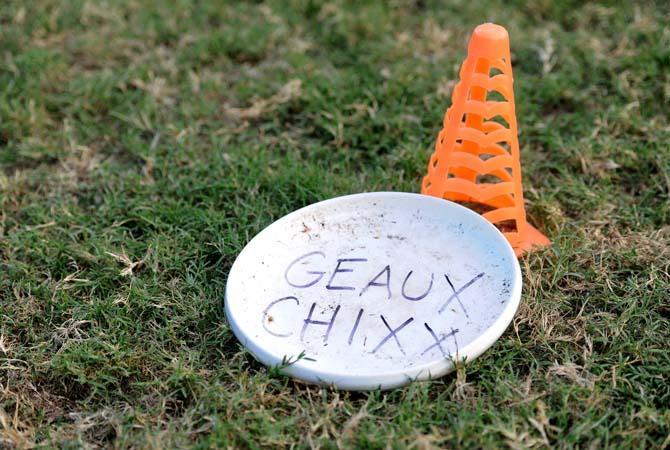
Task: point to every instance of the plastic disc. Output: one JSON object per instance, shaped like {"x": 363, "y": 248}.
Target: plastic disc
{"x": 373, "y": 290}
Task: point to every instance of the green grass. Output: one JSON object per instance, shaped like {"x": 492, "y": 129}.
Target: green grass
{"x": 143, "y": 143}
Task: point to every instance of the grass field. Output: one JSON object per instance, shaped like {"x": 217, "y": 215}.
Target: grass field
{"x": 143, "y": 143}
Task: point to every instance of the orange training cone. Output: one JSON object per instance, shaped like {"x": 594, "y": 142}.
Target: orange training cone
{"x": 476, "y": 156}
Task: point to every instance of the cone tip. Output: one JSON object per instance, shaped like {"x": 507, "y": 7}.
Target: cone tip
{"x": 490, "y": 33}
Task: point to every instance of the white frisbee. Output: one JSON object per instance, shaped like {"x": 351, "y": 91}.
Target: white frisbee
{"x": 373, "y": 290}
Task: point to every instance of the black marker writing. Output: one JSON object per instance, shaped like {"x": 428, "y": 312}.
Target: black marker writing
{"x": 438, "y": 341}
{"x": 373, "y": 282}
{"x": 457, "y": 292}
{"x": 392, "y": 334}
{"x": 311, "y": 272}
{"x": 268, "y": 318}
{"x": 308, "y": 321}
{"x": 420, "y": 297}
{"x": 458, "y": 299}
{"x": 330, "y": 286}
{"x": 353, "y": 330}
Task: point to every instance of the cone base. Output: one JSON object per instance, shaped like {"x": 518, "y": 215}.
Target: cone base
{"x": 528, "y": 240}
